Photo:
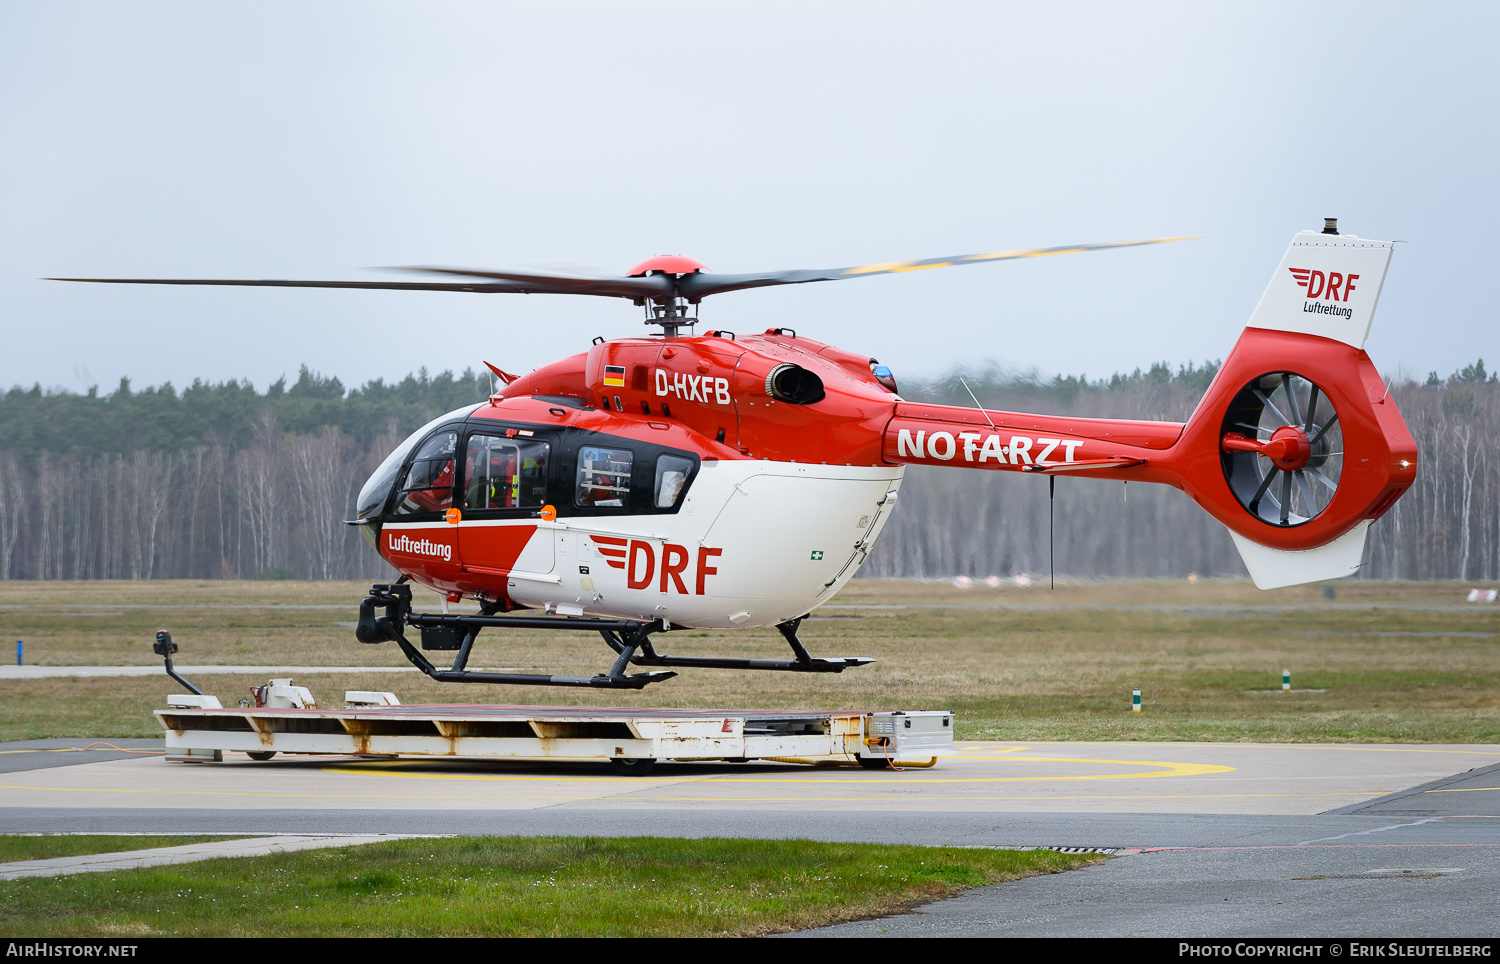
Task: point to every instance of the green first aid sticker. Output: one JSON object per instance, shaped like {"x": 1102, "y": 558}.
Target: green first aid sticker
{"x": 817, "y": 554}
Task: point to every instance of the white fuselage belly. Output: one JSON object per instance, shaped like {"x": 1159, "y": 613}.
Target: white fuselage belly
{"x": 754, "y": 544}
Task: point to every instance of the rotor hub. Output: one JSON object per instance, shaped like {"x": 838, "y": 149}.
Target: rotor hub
{"x": 668, "y": 264}
{"x": 1289, "y": 447}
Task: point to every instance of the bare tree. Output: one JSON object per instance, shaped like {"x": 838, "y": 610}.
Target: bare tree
{"x": 318, "y": 472}
{"x": 12, "y": 510}
{"x": 258, "y": 487}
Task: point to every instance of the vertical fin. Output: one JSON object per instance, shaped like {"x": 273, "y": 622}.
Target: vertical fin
{"x": 1326, "y": 285}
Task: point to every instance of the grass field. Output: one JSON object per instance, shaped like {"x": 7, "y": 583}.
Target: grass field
{"x": 494, "y": 887}
{"x": 46, "y": 846}
{"x": 1379, "y": 663}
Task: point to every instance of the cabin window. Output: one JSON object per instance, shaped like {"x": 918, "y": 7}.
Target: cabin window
{"x": 502, "y": 473}
{"x": 672, "y": 473}
{"x": 428, "y": 486}
{"x": 604, "y": 476}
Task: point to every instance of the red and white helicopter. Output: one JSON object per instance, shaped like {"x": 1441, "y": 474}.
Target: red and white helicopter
{"x": 729, "y": 480}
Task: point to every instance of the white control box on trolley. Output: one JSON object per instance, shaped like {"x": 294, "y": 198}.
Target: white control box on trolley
{"x": 905, "y": 737}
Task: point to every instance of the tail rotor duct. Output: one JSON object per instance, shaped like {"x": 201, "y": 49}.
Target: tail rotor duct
{"x": 1282, "y": 449}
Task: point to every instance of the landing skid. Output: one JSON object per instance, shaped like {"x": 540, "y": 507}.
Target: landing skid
{"x": 803, "y": 663}
{"x": 629, "y": 638}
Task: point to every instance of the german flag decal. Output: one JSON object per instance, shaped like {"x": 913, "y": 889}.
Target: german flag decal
{"x": 614, "y": 375}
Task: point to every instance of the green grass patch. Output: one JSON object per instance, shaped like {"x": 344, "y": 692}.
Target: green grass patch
{"x": 516, "y": 887}
{"x": 46, "y": 846}
{"x": 1221, "y": 706}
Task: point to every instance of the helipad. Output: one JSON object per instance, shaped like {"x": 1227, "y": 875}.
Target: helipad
{"x": 1022, "y": 777}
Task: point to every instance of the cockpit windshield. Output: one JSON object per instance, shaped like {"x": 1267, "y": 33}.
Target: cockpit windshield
{"x": 428, "y": 485}
{"x": 372, "y": 497}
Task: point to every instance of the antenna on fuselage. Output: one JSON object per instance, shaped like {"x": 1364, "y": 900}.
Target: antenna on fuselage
{"x": 1051, "y": 512}
{"x": 976, "y": 402}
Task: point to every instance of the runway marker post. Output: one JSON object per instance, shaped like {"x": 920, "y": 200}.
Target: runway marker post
{"x": 19, "y": 646}
{"x": 1135, "y": 701}
{"x": 1286, "y": 680}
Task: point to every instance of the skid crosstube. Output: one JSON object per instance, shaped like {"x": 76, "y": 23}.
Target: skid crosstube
{"x": 629, "y": 638}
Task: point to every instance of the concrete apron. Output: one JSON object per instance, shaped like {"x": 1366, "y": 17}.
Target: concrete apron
{"x": 981, "y": 777}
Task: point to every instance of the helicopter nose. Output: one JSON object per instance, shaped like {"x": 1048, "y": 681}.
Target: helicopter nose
{"x": 373, "y": 494}
{"x": 376, "y": 491}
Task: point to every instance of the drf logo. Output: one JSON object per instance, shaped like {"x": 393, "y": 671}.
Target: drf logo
{"x": 638, "y": 558}
{"x": 1323, "y": 286}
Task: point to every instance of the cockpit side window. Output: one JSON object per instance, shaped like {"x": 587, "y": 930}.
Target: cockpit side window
{"x": 503, "y": 473}
{"x": 672, "y": 473}
{"x": 604, "y": 476}
{"x": 428, "y": 484}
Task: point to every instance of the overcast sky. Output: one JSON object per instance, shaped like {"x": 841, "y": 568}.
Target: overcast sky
{"x": 318, "y": 140}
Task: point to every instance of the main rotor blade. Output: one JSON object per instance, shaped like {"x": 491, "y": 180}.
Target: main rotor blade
{"x": 508, "y": 282}
{"x": 697, "y": 286}
{"x": 658, "y": 287}
{"x": 271, "y": 283}
{"x": 655, "y": 286}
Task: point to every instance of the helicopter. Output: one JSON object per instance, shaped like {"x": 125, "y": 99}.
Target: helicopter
{"x": 725, "y": 480}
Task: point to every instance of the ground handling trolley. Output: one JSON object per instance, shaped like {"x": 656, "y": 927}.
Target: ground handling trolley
{"x": 285, "y": 718}
{"x": 632, "y": 739}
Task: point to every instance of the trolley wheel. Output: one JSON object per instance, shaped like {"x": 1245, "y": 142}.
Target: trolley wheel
{"x": 260, "y": 756}
{"x": 627, "y": 767}
{"x": 874, "y": 762}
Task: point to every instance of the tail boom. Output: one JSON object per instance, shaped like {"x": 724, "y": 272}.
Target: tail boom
{"x": 948, "y": 435}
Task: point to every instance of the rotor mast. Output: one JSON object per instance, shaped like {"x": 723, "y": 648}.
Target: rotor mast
{"x": 671, "y": 314}
{"x": 670, "y": 310}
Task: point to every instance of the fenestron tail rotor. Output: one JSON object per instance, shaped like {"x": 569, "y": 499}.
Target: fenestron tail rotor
{"x": 667, "y": 283}
{"x": 1283, "y": 449}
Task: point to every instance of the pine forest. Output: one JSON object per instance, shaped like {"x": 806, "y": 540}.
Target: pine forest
{"x": 220, "y": 481}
